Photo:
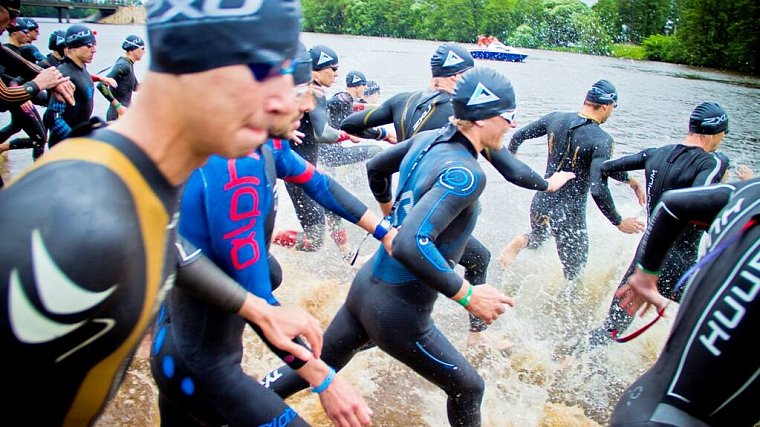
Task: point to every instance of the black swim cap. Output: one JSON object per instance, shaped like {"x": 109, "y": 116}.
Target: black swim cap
{"x": 355, "y": 78}
{"x": 132, "y": 42}
{"x": 708, "y": 118}
{"x": 13, "y": 7}
{"x": 57, "y": 41}
{"x": 302, "y": 69}
{"x": 20, "y": 25}
{"x": 602, "y": 92}
{"x": 78, "y": 36}
{"x": 482, "y": 93}
{"x": 195, "y": 36}
{"x": 31, "y": 24}
{"x": 372, "y": 88}
{"x": 450, "y": 59}
{"x": 322, "y": 57}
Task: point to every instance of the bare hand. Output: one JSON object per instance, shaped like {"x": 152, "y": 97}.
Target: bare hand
{"x": 281, "y": 324}
{"x": 557, "y": 180}
{"x": 344, "y": 405}
{"x": 109, "y": 81}
{"x": 631, "y": 225}
{"x": 297, "y": 137}
{"x": 743, "y": 172}
{"x": 487, "y": 303}
{"x": 65, "y": 92}
{"x": 121, "y": 111}
{"x": 387, "y": 240}
{"x": 49, "y": 78}
{"x": 27, "y": 107}
{"x": 638, "y": 189}
{"x": 354, "y": 139}
{"x": 386, "y": 208}
{"x": 641, "y": 289}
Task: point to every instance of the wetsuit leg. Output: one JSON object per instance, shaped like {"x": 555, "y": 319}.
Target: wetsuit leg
{"x": 540, "y": 211}
{"x": 334, "y": 155}
{"x": 13, "y": 127}
{"x": 475, "y": 260}
{"x": 31, "y": 123}
{"x": 569, "y": 230}
{"x": 311, "y": 216}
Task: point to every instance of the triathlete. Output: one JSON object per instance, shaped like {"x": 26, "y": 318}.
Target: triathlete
{"x": 436, "y": 207}
{"x": 371, "y": 94}
{"x": 123, "y": 71}
{"x": 692, "y": 163}
{"x": 56, "y": 45}
{"x": 228, "y": 210}
{"x": 29, "y": 51}
{"x": 88, "y": 232}
{"x": 576, "y": 143}
{"x": 707, "y": 372}
{"x": 413, "y": 112}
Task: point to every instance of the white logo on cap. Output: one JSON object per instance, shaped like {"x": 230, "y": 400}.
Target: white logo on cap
{"x": 323, "y": 57}
{"x": 356, "y": 79}
{"x": 714, "y": 121}
{"x": 481, "y": 95}
{"x": 452, "y": 59}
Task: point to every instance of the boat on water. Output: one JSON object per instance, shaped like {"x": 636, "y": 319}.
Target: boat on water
{"x": 498, "y": 51}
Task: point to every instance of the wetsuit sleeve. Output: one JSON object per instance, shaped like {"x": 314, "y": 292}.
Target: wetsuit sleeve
{"x": 59, "y": 126}
{"x": 676, "y": 210}
{"x": 532, "y": 130}
{"x": 515, "y": 171}
{"x": 712, "y": 170}
{"x": 363, "y": 122}
{"x": 18, "y": 66}
{"x": 117, "y": 72}
{"x": 382, "y": 166}
{"x": 626, "y": 163}
{"x": 457, "y": 188}
{"x": 291, "y": 167}
{"x": 599, "y": 189}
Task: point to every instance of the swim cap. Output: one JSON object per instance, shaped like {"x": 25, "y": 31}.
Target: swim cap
{"x": 78, "y": 36}
{"x": 195, "y": 36}
{"x": 450, "y": 59}
{"x": 132, "y": 42}
{"x": 482, "y": 93}
{"x": 708, "y": 118}
{"x": 602, "y": 92}
{"x": 322, "y": 57}
{"x": 13, "y": 7}
{"x": 31, "y": 24}
{"x": 302, "y": 69}
{"x": 372, "y": 88}
{"x": 20, "y": 25}
{"x": 57, "y": 41}
{"x": 355, "y": 78}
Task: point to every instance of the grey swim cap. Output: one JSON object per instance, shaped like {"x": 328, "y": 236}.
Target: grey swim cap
{"x": 708, "y": 118}
{"x": 195, "y": 36}
{"x": 450, "y": 59}
{"x": 482, "y": 93}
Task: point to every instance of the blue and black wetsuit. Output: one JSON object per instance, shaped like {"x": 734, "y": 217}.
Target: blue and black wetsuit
{"x": 414, "y": 112}
{"x": 666, "y": 168}
{"x": 391, "y": 299}
{"x": 228, "y": 211}
{"x": 31, "y": 53}
{"x": 576, "y": 144}
{"x": 60, "y": 117}
{"x": 707, "y": 373}
{"x": 23, "y": 117}
{"x": 123, "y": 71}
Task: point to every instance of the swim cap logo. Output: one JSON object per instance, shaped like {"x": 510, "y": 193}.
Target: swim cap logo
{"x": 323, "y": 58}
{"x": 452, "y": 59}
{"x": 356, "y": 79}
{"x": 166, "y": 10}
{"x": 84, "y": 33}
{"x": 60, "y": 40}
{"x": 715, "y": 121}
{"x": 482, "y": 95}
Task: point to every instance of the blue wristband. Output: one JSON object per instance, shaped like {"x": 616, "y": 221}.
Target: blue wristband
{"x": 382, "y": 228}
{"x": 326, "y": 383}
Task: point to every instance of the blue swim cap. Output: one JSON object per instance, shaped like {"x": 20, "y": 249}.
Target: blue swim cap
{"x": 31, "y": 24}
{"x": 450, "y": 59}
{"x": 132, "y": 42}
{"x": 195, "y": 36}
{"x": 20, "y": 25}
{"x": 482, "y": 93}
{"x": 708, "y": 118}
{"x": 78, "y": 36}
{"x": 372, "y": 88}
{"x": 322, "y": 57}
{"x": 355, "y": 78}
{"x": 57, "y": 41}
{"x": 602, "y": 92}
{"x": 302, "y": 69}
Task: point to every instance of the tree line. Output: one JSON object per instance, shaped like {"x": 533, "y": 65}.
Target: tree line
{"x": 713, "y": 33}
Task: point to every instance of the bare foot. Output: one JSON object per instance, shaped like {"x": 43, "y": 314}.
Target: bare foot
{"x": 486, "y": 339}
{"x": 509, "y": 253}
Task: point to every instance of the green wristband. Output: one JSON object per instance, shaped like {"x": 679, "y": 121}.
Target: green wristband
{"x": 653, "y": 273}
{"x": 465, "y": 301}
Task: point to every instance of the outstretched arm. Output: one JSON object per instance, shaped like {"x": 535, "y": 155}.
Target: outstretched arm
{"x": 532, "y": 130}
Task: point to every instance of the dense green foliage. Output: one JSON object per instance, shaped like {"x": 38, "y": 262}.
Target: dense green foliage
{"x": 722, "y": 34}
{"x": 51, "y": 12}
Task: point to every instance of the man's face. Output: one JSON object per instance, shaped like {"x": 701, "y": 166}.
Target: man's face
{"x": 326, "y": 77}
{"x": 284, "y": 126}
{"x": 22, "y": 37}
{"x": 493, "y": 131}
{"x": 138, "y": 53}
{"x": 235, "y": 117}
{"x": 33, "y": 34}
{"x": 84, "y": 53}
{"x": 373, "y": 99}
{"x": 5, "y": 19}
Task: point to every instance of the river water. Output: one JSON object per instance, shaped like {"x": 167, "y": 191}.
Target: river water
{"x": 527, "y": 385}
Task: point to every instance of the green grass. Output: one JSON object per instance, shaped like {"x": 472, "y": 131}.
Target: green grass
{"x": 628, "y": 51}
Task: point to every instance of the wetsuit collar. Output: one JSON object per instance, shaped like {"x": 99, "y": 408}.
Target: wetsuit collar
{"x": 451, "y": 134}
{"x": 67, "y": 59}
{"x": 589, "y": 118}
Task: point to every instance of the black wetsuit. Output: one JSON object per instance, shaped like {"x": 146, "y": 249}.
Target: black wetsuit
{"x": 707, "y": 373}
{"x": 391, "y": 299}
{"x": 576, "y": 144}
{"x": 413, "y": 112}
{"x": 333, "y": 155}
{"x": 31, "y": 53}
{"x": 123, "y": 72}
{"x": 23, "y": 117}
{"x": 61, "y": 118}
{"x": 666, "y": 168}
{"x": 50, "y": 61}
